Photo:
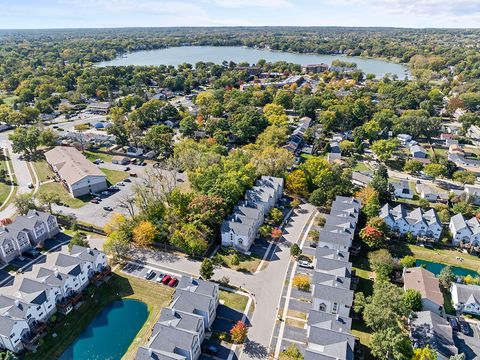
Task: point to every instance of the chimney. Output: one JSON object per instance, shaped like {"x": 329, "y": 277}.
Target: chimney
{"x": 337, "y": 317}
{"x": 173, "y": 311}
{"x": 17, "y": 303}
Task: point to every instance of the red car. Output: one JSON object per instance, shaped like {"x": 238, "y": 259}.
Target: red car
{"x": 166, "y": 279}
{"x": 94, "y": 201}
{"x": 172, "y": 282}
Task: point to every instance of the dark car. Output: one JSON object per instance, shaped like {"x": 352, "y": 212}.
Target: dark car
{"x": 454, "y": 324}
{"x": 126, "y": 168}
{"x": 150, "y": 274}
{"x": 464, "y": 327}
{"x": 31, "y": 253}
{"x": 211, "y": 350}
{"x": 107, "y": 208}
{"x": 94, "y": 201}
{"x": 127, "y": 180}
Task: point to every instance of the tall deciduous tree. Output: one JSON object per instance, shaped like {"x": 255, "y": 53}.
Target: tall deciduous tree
{"x": 144, "y": 234}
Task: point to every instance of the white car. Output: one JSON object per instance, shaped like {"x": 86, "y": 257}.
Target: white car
{"x": 305, "y": 264}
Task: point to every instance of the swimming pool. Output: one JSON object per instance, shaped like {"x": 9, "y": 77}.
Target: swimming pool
{"x": 435, "y": 268}
{"x": 110, "y": 334}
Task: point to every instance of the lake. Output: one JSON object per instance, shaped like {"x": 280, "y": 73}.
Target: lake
{"x": 110, "y": 334}
{"x": 435, "y": 268}
{"x": 217, "y": 54}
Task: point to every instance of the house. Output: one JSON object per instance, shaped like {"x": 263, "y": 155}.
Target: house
{"x": 361, "y": 179}
{"x": 335, "y": 147}
{"x": 78, "y": 175}
{"x": 327, "y": 344}
{"x": 239, "y": 229}
{"x": 417, "y": 222}
{"x": 473, "y": 132}
{"x": 100, "y": 108}
{"x": 314, "y": 68}
{"x": 401, "y": 189}
{"x": 33, "y": 297}
{"x": 450, "y": 142}
{"x": 120, "y": 160}
{"x": 26, "y": 232}
{"x": 181, "y": 328}
{"x": 332, "y": 298}
{"x": 427, "y": 192}
{"x": 134, "y": 151}
{"x": 466, "y": 298}
{"x": 427, "y": 285}
{"x": 335, "y": 241}
{"x": 473, "y": 193}
{"x": 429, "y": 329}
{"x": 404, "y": 139}
{"x": 334, "y": 157}
{"x": 418, "y": 151}
{"x": 464, "y": 231}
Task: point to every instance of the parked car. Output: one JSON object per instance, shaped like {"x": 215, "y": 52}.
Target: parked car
{"x": 98, "y": 161}
{"x": 107, "y": 208}
{"x": 132, "y": 174}
{"x": 97, "y": 198}
{"x": 166, "y": 279}
{"x": 150, "y": 274}
{"x": 313, "y": 244}
{"x": 95, "y": 201}
{"x": 305, "y": 264}
{"x": 127, "y": 168}
{"x": 172, "y": 282}
{"x": 160, "y": 278}
{"x": 120, "y": 184}
{"x": 454, "y": 324}
{"x": 127, "y": 180}
{"x": 211, "y": 350}
{"x": 31, "y": 253}
{"x": 464, "y": 327}
{"x": 30, "y": 185}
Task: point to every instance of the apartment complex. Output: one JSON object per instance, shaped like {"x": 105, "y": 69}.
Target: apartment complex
{"x": 56, "y": 285}
{"x": 26, "y": 232}
{"x": 78, "y": 175}
{"x": 180, "y": 329}
{"x": 240, "y": 228}
{"x": 417, "y": 222}
{"x": 329, "y": 322}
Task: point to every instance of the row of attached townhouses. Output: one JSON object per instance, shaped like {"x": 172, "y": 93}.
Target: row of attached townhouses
{"x": 464, "y": 231}
{"x": 25, "y": 233}
{"x": 240, "y": 229}
{"x": 329, "y": 322}
{"x": 180, "y": 330}
{"x": 53, "y": 286}
{"x": 417, "y": 222}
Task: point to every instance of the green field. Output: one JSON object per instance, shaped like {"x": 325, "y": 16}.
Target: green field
{"x": 233, "y": 300}
{"x": 92, "y": 156}
{"x": 4, "y": 183}
{"x": 67, "y": 328}
{"x": 114, "y": 176}
{"x": 43, "y": 170}
{"x": 63, "y": 194}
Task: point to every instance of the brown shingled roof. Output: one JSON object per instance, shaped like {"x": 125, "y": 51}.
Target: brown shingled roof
{"x": 425, "y": 282}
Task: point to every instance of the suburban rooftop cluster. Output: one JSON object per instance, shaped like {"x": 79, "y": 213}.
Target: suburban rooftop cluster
{"x": 180, "y": 329}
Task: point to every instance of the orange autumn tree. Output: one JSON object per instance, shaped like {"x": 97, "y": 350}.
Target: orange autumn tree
{"x": 372, "y": 236}
{"x": 144, "y": 234}
{"x": 370, "y": 202}
{"x": 239, "y": 332}
{"x": 276, "y": 233}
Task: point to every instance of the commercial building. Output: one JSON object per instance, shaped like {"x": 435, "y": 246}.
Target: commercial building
{"x": 78, "y": 175}
{"x": 240, "y": 228}
{"x": 314, "y": 68}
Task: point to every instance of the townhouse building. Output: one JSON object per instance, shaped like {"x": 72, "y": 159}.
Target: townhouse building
{"x": 428, "y": 285}
{"x": 417, "y": 222}
{"x": 26, "y": 232}
{"x": 180, "y": 329}
{"x": 239, "y": 230}
{"x": 28, "y": 303}
{"x": 464, "y": 231}
{"x": 466, "y": 298}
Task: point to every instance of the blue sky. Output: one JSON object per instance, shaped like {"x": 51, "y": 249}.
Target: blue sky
{"x": 19, "y": 14}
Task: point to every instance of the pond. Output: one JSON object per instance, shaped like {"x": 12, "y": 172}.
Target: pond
{"x": 110, "y": 334}
{"x": 435, "y": 268}
{"x": 217, "y": 54}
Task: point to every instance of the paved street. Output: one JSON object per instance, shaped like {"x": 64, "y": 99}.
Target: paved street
{"x": 266, "y": 286}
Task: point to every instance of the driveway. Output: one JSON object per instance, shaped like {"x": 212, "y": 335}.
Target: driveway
{"x": 468, "y": 344}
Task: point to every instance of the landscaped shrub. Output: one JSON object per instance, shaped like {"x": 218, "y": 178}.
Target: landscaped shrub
{"x": 302, "y": 282}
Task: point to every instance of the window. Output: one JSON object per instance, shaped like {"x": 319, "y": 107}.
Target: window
{"x": 322, "y": 307}
{"x": 334, "y": 308}
{"x": 12, "y": 335}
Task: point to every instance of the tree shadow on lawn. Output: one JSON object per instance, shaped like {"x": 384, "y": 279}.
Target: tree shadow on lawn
{"x": 255, "y": 350}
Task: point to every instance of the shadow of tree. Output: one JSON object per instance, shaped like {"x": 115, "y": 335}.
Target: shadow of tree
{"x": 255, "y": 350}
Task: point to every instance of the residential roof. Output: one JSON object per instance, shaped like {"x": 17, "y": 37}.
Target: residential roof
{"x": 71, "y": 165}
{"x": 334, "y": 267}
{"x": 465, "y": 294}
{"x": 191, "y": 302}
{"x": 325, "y": 252}
{"x": 144, "y": 353}
{"x": 428, "y": 328}
{"x": 333, "y": 293}
{"x": 171, "y": 339}
{"x": 336, "y": 344}
{"x": 198, "y": 286}
{"x": 425, "y": 282}
{"x": 331, "y": 280}
{"x": 361, "y": 177}
{"x": 328, "y": 321}
{"x": 179, "y": 319}
{"x": 417, "y": 148}
{"x": 339, "y": 238}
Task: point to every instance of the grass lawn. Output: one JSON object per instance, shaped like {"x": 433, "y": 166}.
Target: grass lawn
{"x": 114, "y": 176}
{"x": 43, "y": 170}
{"x": 363, "y": 333}
{"x": 444, "y": 256}
{"x": 119, "y": 287}
{"x": 233, "y": 300}
{"x": 360, "y": 166}
{"x": 4, "y": 183}
{"x": 64, "y": 195}
{"x": 447, "y": 303}
{"x": 247, "y": 263}
{"x": 92, "y": 156}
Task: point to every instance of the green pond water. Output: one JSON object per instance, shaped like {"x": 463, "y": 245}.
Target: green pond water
{"x": 110, "y": 334}
{"x": 435, "y": 268}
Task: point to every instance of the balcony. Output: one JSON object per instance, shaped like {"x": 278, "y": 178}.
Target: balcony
{"x": 100, "y": 276}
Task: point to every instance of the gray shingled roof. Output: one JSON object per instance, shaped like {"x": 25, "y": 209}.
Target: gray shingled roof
{"x": 198, "y": 286}
{"x": 333, "y": 293}
{"x": 179, "y": 319}
{"x": 191, "y": 302}
{"x": 150, "y": 354}
{"x": 336, "y": 344}
{"x": 324, "y": 252}
{"x": 328, "y": 321}
{"x": 331, "y": 280}
{"x": 428, "y": 328}
{"x": 335, "y": 267}
{"x": 169, "y": 338}
{"x": 339, "y": 238}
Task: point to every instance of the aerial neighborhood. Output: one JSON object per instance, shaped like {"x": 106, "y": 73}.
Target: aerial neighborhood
{"x": 290, "y": 193}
